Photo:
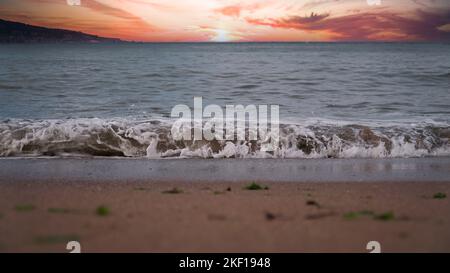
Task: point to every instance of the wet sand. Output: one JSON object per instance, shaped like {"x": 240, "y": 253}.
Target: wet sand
{"x": 149, "y": 216}
{"x": 432, "y": 169}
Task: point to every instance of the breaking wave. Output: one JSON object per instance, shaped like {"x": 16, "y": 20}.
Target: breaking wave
{"x": 153, "y": 139}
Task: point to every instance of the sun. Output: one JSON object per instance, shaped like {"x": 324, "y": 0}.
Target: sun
{"x": 222, "y": 35}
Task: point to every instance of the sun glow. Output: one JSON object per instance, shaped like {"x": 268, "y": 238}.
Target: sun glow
{"x": 221, "y": 35}
{"x": 238, "y": 20}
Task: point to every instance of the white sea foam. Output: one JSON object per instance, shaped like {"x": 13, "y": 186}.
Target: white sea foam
{"x": 152, "y": 139}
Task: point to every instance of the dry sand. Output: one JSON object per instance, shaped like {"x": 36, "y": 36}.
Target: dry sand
{"x": 206, "y": 217}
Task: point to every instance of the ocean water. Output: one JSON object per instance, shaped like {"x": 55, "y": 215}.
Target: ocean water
{"x": 337, "y": 100}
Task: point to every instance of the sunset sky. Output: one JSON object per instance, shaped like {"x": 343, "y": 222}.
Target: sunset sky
{"x": 245, "y": 20}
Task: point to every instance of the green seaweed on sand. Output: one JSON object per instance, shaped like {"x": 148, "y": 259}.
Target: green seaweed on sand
{"x": 254, "y": 187}
{"x": 60, "y": 210}
{"x": 351, "y": 215}
{"x": 366, "y": 212}
{"x": 356, "y": 214}
{"x": 141, "y": 189}
{"x": 24, "y": 207}
{"x": 56, "y": 239}
{"x": 102, "y": 211}
{"x": 386, "y": 216}
{"x": 173, "y": 191}
{"x": 439, "y": 195}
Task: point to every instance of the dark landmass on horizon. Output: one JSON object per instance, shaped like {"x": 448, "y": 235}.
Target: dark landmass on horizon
{"x": 14, "y": 32}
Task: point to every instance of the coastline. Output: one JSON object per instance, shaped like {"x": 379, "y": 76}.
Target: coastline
{"x": 42, "y": 207}
{"x": 109, "y": 169}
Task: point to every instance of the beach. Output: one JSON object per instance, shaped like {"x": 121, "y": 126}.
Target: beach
{"x": 88, "y": 154}
{"x": 148, "y": 214}
{"x": 225, "y": 127}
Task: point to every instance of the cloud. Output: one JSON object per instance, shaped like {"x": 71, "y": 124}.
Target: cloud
{"x": 101, "y": 8}
{"x": 236, "y": 10}
{"x": 383, "y": 25}
{"x": 120, "y": 24}
{"x": 311, "y": 19}
{"x": 316, "y": 3}
{"x": 286, "y": 20}
{"x": 116, "y": 12}
{"x": 232, "y": 11}
{"x": 108, "y": 10}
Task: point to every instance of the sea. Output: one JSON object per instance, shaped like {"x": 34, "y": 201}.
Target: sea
{"x": 336, "y": 100}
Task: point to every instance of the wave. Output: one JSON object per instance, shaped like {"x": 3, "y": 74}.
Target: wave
{"x": 152, "y": 139}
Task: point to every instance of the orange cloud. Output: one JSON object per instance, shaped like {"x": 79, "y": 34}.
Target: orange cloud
{"x": 236, "y": 10}
{"x": 92, "y": 17}
{"x": 176, "y": 20}
{"x": 425, "y": 25}
{"x": 131, "y": 24}
{"x": 233, "y": 11}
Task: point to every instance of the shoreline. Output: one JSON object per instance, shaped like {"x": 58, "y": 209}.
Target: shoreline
{"x": 324, "y": 205}
{"x": 431, "y": 169}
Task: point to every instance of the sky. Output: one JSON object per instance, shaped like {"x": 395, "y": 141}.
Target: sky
{"x": 240, "y": 21}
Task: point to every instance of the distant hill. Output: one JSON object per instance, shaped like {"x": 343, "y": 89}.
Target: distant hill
{"x": 13, "y": 32}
